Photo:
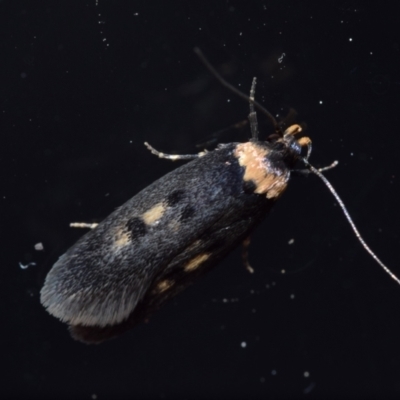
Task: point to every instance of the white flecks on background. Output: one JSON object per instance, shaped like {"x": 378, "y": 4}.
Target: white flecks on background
{"x": 306, "y": 374}
{"x": 39, "y": 246}
{"x": 273, "y": 372}
{"x": 291, "y": 241}
{"x": 22, "y": 266}
{"x": 320, "y": 102}
{"x": 225, "y": 300}
{"x": 243, "y": 345}
{"x": 101, "y": 22}
{"x": 292, "y": 296}
{"x": 350, "y": 39}
{"x": 280, "y": 59}
{"x": 283, "y": 271}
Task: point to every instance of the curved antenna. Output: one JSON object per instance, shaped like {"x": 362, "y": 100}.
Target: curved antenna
{"x": 213, "y": 71}
{"x": 350, "y": 220}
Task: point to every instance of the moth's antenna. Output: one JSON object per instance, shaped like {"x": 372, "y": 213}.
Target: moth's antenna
{"x": 253, "y": 114}
{"x": 213, "y": 71}
{"x": 350, "y": 220}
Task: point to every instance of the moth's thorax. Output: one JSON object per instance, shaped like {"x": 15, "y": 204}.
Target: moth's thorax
{"x": 264, "y": 167}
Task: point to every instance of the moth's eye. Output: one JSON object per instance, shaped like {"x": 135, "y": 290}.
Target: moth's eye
{"x": 295, "y": 147}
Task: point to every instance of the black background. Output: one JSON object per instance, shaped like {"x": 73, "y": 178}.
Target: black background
{"x": 83, "y": 84}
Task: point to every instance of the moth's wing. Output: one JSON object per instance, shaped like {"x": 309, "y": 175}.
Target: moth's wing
{"x": 186, "y": 268}
{"x": 100, "y": 280}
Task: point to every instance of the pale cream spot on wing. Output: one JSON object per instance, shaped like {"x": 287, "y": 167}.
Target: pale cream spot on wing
{"x": 121, "y": 238}
{"x": 196, "y": 262}
{"x": 154, "y": 214}
{"x": 164, "y": 285}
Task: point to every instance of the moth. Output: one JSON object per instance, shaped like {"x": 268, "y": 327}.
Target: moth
{"x": 175, "y": 230}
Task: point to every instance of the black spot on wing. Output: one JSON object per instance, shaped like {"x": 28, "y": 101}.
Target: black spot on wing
{"x": 175, "y": 197}
{"x": 187, "y": 213}
{"x": 136, "y": 227}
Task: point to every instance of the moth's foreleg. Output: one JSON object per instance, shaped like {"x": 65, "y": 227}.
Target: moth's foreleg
{"x": 245, "y": 255}
{"x": 306, "y": 172}
{"x": 83, "y": 225}
{"x": 174, "y": 157}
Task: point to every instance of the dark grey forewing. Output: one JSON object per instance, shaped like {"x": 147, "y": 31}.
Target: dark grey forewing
{"x": 100, "y": 279}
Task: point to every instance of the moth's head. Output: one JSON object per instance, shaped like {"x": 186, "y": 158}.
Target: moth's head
{"x": 288, "y": 143}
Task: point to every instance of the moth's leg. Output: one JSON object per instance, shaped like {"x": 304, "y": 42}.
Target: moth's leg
{"x": 83, "y": 225}
{"x": 174, "y": 157}
{"x": 306, "y": 172}
{"x": 301, "y": 172}
{"x": 333, "y": 165}
{"x": 245, "y": 255}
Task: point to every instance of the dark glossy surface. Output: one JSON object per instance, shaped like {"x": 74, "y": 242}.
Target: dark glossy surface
{"x": 82, "y": 86}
